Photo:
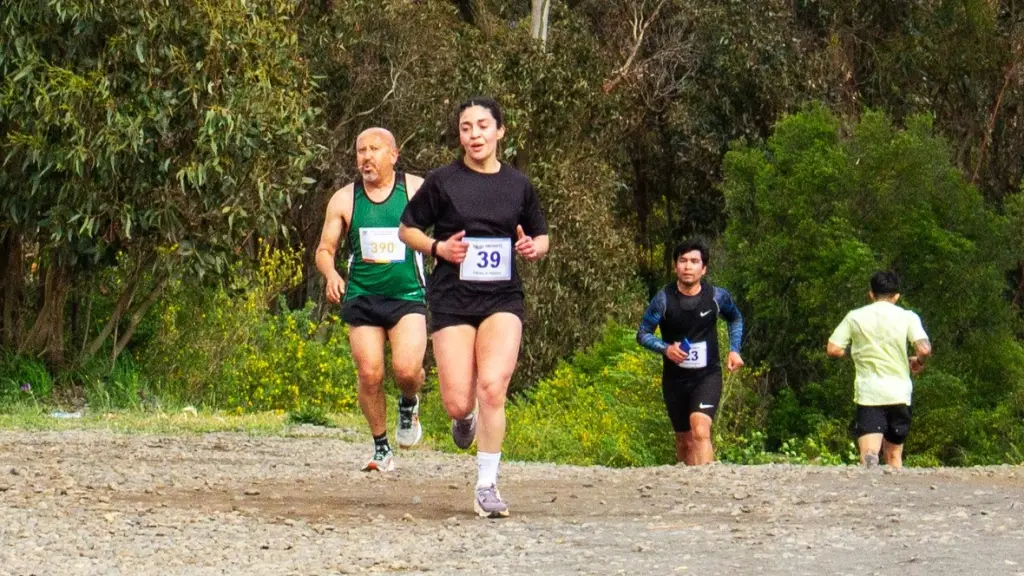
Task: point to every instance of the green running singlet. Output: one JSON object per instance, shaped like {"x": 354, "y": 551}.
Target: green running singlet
{"x": 380, "y": 264}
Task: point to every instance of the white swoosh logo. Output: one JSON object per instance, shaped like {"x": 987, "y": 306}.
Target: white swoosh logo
{"x": 705, "y": 313}
{"x": 704, "y": 406}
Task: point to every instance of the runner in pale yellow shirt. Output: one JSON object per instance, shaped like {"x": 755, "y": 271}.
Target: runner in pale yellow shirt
{"x": 877, "y": 336}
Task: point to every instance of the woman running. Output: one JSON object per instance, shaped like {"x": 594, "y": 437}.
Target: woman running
{"x": 482, "y": 213}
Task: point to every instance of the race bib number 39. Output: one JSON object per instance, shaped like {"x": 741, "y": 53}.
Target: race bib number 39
{"x": 697, "y": 357}
{"x": 381, "y": 245}
{"x": 488, "y": 260}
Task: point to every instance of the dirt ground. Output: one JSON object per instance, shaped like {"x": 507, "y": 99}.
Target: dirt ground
{"x": 89, "y": 502}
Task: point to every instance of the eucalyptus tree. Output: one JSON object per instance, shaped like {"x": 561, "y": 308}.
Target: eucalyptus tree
{"x": 155, "y": 137}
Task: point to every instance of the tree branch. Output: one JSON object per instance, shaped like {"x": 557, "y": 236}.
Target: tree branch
{"x": 123, "y": 302}
{"x": 395, "y": 74}
{"x": 638, "y": 34}
{"x": 137, "y": 317}
{"x": 1007, "y": 77}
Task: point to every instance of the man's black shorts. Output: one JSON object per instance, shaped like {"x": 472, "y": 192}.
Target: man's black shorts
{"x": 441, "y": 320}
{"x": 892, "y": 422}
{"x": 684, "y": 397}
{"x": 379, "y": 311}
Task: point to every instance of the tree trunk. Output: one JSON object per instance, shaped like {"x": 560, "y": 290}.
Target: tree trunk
{"x": 539, "y": 20}
{"x": 46, "y": 337}
{"x": 137, "y": 317}
{"x": 124, "y": 301}
{"x": 12, "y": 289}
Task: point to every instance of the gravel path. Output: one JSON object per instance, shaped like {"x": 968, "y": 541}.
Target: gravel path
{"x": 102, "y": 503}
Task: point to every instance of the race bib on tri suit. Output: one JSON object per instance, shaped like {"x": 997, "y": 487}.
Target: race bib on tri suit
{"x": 488, "y": 260}
{"x": 381, "y": 245}
{"x": 697, "y": 357}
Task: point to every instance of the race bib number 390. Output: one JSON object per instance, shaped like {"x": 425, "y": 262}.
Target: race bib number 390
{"x": 381, "y": 245}
{"x": 697, "y": 357}
{"x": 488, "y": 260}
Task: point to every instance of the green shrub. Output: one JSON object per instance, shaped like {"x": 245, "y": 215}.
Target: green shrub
{"x": 226, "y": 348}
{"x": 284, "y": 366}
{"x": 603, "y": 407}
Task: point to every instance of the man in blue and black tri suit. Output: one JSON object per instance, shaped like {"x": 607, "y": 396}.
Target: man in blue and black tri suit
{"x": 687, "y": 312}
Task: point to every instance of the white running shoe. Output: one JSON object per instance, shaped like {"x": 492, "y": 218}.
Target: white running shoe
{"x": 409, "y": 430}
{"x": 382, "y": 461}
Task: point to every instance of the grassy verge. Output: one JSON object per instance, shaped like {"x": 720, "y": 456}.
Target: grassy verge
{"x": 187, "y": 421}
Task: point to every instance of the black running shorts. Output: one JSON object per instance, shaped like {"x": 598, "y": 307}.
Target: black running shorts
{"x": 892, "y": 422}
{"x": 684, "y": 397}
{"x": 379, "y": 311}
{"x": 441, "y": 320}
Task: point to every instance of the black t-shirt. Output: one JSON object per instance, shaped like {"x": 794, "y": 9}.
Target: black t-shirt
{"x": 455, "y": 198}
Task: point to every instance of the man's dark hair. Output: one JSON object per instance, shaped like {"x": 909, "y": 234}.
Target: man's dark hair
{"x": 488, "y": 103}
{"x": 885, "y": 283}
{"x": 689, "y": 245}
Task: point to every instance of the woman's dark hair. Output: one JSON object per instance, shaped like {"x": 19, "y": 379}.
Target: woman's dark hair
{"x": 689, "y": 245}
{"x": 485, "y": 102}
{"x": 885, "y": 284}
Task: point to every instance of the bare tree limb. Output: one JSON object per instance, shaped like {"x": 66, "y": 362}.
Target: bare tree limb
{"x": 123, "y": 302}
{"x": 401, "y": 146}
{"x": 640, "y": 26}
{"x": 1011, "y": 71}
{"x": 395, "y": 75}
{"x": 137, "y": 317}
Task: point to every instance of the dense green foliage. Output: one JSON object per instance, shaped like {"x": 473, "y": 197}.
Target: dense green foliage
{"x": 604, "y": 407}
{"x": 153, "y": 138}
{"x": 225, "y": 348}
{"x": 166, "y": 165}
{"x": 893, "y": 201}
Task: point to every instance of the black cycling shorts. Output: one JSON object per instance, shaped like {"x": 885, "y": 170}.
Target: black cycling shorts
{"x": 892, "y": 422}
{"x": 684, "y": 397}
{"x": 379, "y": 311}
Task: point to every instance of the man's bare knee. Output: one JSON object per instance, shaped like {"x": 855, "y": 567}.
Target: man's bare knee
{"x": 409, "y": 376}
{"x": 371, "y": 378}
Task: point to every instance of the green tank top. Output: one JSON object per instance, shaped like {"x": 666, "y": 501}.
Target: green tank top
{"x": 380, "y": 265}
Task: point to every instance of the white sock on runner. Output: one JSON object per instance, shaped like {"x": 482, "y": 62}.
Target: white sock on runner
{"x": 487, "y": 468}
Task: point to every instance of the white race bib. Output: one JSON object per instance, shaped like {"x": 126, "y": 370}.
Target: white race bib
{"x": 697, "y": 357}
{"x": 381, "y": 245}
{"x": 488, "y": 260}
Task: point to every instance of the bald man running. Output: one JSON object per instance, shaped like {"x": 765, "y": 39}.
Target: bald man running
{"x": 384, "y": 296}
